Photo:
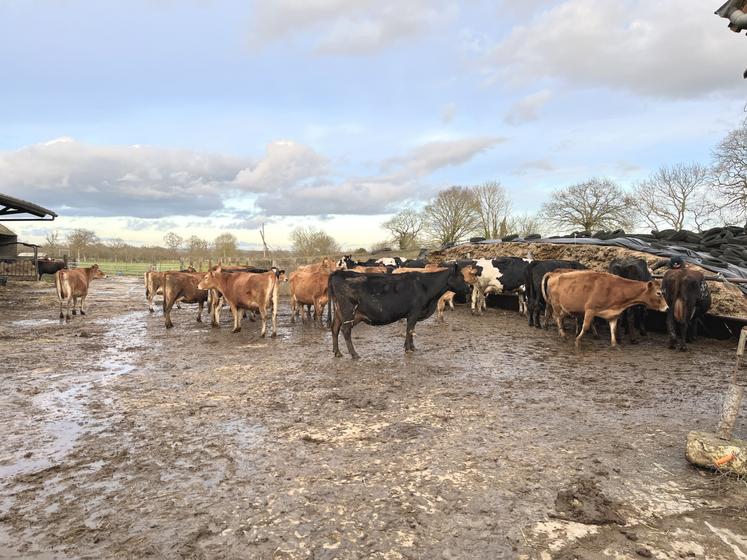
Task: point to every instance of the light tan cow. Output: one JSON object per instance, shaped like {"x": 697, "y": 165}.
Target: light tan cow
{"x": 308, "y": 288}
{"x": 597, "y": 294}
{"x": 72, "y": 284}
{"x": 247, "y": 291}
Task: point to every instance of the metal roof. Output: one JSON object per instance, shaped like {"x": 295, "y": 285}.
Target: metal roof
{"x": 734, "y": 11}
{"x": 10, "y": 206}
{"x": 5, "y": 232}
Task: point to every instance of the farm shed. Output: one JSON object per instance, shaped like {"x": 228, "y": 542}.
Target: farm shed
{"x": 8, "y": 240}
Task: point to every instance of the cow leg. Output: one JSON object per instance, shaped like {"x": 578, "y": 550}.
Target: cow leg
{"x": 588, "y": 319}
{"x": 630, "y": 324}
{"x": 530, "y": 312}
{"x": 215, "y": 307}
{"x": 409, "y": 345}
{"x": 167, "y": 305}
{"x": 613, "y": 331}
{"x": 263, "y": 317}
{"x": 62, "y": 315}
{"x": 671, "y": 329}
{"x": 199, "y": 311}
{"x": 150, "y": 302}
{"x": 558, "y": 314}
{"x": 82, "y": 301}
{"x": 347, "y": 329}
{"x": 75, "y": 305}
{"x": 537, "y": 312}
{"x": 475, "y": 292}
{"x": 294, "y": 307}
{"x": 236, "y": 318}
{"x": 336, "y": 324}
{"x": 683, "y": 335}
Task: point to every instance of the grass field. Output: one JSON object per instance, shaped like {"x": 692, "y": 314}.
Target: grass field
{"x": 120, "y": 268}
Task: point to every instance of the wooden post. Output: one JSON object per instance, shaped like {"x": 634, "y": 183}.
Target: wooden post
{"x": 36, "y": 262}
{"x": 735, "y": 393}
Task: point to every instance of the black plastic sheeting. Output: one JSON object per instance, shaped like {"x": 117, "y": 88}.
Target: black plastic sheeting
{"x": 702, "y": 259}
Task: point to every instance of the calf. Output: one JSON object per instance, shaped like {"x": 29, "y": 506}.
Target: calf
{"x": 308, "y": 288}
{"x": 634, "y": 318}
{"x": 534, "y": 273}
{"x": 182, "y": 286}
{"x": 598, "y": 294}
{"x": 689, "y": 300}
{"x": 49, "y": 266}
{"x": 73, "y": 284}
{"x": 381, "y": 299}
{"x": 247, "y": 291}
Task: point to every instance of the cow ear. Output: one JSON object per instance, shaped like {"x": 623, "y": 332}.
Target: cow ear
{"x": 650, "y": 284}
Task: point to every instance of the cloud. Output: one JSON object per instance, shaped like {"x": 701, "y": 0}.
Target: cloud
{"x": 534, "y": 165}
{"x": 82, "y": 179}
{"x": 669, "y": 48}
{"x": 432, "y": 156}
{"x": 527, "y": 109}
{"x": 285, "y": 164}
{"x": 348, "y": 27}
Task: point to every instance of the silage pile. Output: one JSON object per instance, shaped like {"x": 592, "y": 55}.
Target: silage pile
{"x": 728, "y": 300}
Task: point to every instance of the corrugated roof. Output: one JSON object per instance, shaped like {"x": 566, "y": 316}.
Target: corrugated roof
{"x": 11, "y": 206}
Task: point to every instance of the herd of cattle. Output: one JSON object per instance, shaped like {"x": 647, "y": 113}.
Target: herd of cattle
{"x": 384, "y": 291}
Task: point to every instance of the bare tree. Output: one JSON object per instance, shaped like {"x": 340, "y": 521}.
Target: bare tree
{"x": 196, "y": 247}
{"x": 674, "y": 197}
{"x": 526, "y": 224}
{"x": 405, "y": 228}
{"x": 730, "y": 170}
{"x": 52, "y": 242}
{"x": 117, "y": 247}
{"x": 493, "y": 206}
{"x": 310, "y": 241}
{"x": 173, "y": 241}
{"x": 79, "y": 240}
{"x": 225, "y": 245}
{"x": 596, "y": 204}
{"x": 452, "y": 215}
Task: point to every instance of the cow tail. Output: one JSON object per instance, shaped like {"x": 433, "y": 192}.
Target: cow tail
{"x": 544, "y": 286}
{"x": 679, "y": 310}
{"x": 330, "y": 296}
{"x": 147, "y": 291}
{"x": 58, "y": 285}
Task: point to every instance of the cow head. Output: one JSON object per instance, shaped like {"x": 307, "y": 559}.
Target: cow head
{"x": 653, "y": 297}
{"x": 208, "y": 281}
{"x": 469, "y": 273}
{"x": 96, "y": 272}
{"x": 280, "y": 274}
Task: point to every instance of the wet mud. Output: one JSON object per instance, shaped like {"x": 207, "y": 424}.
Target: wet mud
{"x": 120, "y": 439}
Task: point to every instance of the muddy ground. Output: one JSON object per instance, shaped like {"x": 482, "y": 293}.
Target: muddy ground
{"x": 119, "y": 439}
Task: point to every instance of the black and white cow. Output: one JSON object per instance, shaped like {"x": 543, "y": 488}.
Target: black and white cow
{"x": 381, "y": 299}
{"x": 497, "y": 276}
{"x": 534, "y": 273}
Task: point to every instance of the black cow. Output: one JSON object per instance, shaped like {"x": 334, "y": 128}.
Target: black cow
{"x": 414, "y": 263}
{"x": 381, "y": 299}
{"x": 535, "y": 271}
{"x": 49, "y": 266}
{"x": 634, "y": 318}
{"x": 689, "y": 299}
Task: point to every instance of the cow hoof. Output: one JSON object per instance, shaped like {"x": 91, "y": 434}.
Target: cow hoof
{"x": 199, "y": 319}
{"x": 683, "y": 348}
{"x": 169, "y": 326}
{"x": 151, "y": 310}
{"x": 215, "y": 325}
{"x": 75, "y": 312}
{"x": 672, "y": 345}
{"x": 236, "y": 330}
{"x": 355, "y": 356}
{"x": 338, "y": 354}
{"x": 62, "y": 315}
{"x": 634, "y": 341}
{"x": 273, "y": 335}
{"x": 262, "y": 335}
{"x": 82, "y": 312}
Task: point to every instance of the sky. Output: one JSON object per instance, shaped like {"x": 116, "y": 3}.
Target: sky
{"x": 200, "y": 117}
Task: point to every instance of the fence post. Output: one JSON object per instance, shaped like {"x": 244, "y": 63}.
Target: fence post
{"x": 735, "y": 393}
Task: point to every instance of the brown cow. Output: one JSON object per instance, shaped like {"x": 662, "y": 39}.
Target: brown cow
{"x": 598, "y": 294}
{"x": 689, "y": 299}
{"x": 182, "y": 286}
{"x": 73, "y": 284}
{"x": 379, "y": 269}
{"x": 247, "y": 291}
{"x": 154, "y": 284}
{"x": 325, "y": 265}
{"x": 444, "y": 300}
{"x": 308, "y": 288}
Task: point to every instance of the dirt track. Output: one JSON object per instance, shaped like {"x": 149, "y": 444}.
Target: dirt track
{"x": 119, "y": 439}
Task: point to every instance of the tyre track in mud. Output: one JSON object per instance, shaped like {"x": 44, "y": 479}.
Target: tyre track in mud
{"x": 200, "y": 443}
